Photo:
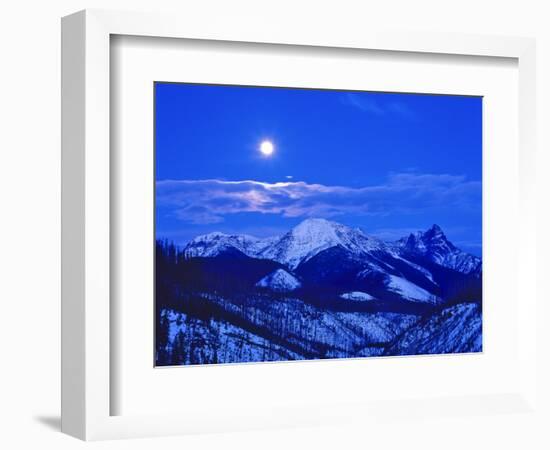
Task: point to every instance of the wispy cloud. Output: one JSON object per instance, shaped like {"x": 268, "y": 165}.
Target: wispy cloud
{"x": 369, "y": 104}
{"x": 209, "y": 201}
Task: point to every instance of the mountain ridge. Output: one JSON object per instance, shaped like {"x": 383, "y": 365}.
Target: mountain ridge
{"x": 312, "y": 236}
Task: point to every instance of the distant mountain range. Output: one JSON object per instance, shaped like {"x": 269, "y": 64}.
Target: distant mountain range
{"x": 322, "y": 249}
{"x": 321, "y": 268}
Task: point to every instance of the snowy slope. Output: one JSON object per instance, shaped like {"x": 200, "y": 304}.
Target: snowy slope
{"x": 280, "y": 281}
{"x": 287, "y": 329}
{"x": 220, "y": 342}
{"x": 456, "y": 329}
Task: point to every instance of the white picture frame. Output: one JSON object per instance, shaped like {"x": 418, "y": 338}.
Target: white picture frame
{"x": 86, "y": 217}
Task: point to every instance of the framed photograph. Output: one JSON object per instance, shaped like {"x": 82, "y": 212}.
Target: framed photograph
{"x": 263, "y": 196}
{"x": 267, "y": 228}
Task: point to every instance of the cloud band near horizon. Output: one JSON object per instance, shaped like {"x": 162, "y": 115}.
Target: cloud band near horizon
{"x": 208, "y": 201}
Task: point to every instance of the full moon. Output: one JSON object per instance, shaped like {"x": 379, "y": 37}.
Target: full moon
{"x": 267, "y": 148}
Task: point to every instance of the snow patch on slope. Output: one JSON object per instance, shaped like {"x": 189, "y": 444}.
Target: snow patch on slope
{"x": 280, "y": 281}
{"x": 357, "y": 296}
{"x": 408, "y": 290}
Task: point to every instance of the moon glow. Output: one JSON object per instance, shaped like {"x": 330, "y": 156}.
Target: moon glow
{"x": 267, "y": 148}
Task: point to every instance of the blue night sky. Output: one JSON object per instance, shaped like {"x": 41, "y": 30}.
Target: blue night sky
{"x": 388, "y": 163}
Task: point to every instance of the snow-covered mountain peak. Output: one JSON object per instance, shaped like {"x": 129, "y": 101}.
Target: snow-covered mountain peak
{"x": 215, "y": 243}
{"x": 318, "y": 232}
{"x": 209, "y": 236}
{"x": 312, "y": 236}
{"x": 321, "y": 231}
{"x": 316, "y": 223}
{"x": 298, "y": 245}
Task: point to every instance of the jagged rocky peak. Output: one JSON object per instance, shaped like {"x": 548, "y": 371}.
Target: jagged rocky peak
{"x": 435, "y": 234}
{"x": 435, "y": 228}
{"x": 433, "y": 245}
{"x": 427, "y": 241}
{"x": 279, "y": 280}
